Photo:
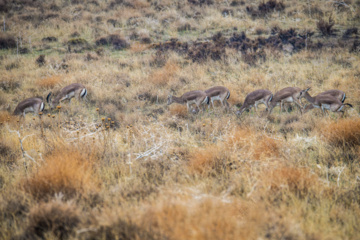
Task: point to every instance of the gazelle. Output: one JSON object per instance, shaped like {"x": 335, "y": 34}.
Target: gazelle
{"x": 73, "y": 90}
{"x": 188, "y": 98}
{"x": 34, "y": 105}
{"x": 255, "y": 98}
{"x": 287, "y": 95}
{"x": 219, "y": 93}
{"x": 340, "y": 95}
{"x": 327, "y": 102}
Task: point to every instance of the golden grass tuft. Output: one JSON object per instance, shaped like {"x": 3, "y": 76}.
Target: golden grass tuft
{"x": 49, "y": 82}
{"x": 139, "y": 47}
{"x": 266, "y": 147}
{"x": 66, "y": 171}
{"x": 209, "y": 159}
{"x": 299, "y": 181}
{"x": 178, "y": 110}
{"x": 164, "y": 75}
{"x": 204, "y": 218}
{"x": 344, "y": 132}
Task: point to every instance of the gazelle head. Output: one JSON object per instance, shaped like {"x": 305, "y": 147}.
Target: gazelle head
{"x": 52, "y": 102}
{"x": 303, "y": 92}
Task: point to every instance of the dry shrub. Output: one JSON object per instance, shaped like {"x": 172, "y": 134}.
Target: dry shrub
{"x": 164, "y": 75}
{"x": 178, "y": 110}
{"x": 64, "y": 170}
{"x": 266, "y": 147}
{"x": 49, "y": 82}
{"x": 326, "y": 27}
{"x": 7, "y": 41}
{"x": 259, "y": 146}
{"x": 344, "y": 132}
{"x": 202, "y": 218}
{"x": 298, "y": 181}
{"x": 56, "y": 217}
{"x": 208, "y": 160}
{"x": 241, "y": 137}
{"x": 113, "y": 225}
{"x": 139, "y": 47}
{"x": 118, "y": 42}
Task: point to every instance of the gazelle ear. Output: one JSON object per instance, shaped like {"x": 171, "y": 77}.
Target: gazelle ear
{"x": 48, "y": 97}
{"x": 307, "y": 89}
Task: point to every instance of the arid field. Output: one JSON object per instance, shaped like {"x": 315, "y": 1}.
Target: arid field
{"x": 125, "y": 165}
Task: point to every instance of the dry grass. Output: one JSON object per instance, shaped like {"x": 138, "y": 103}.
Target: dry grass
{"x": 299, "y": 181}
{"x": 204, "y": 218}
{"x": 65, "y": 171}
{"x": 49, "y": 82}
{"x": 343, "y": 133}
{"x": 208, "y": 160}
{"x": 58, "y": 218}
{"x": 164, "y": 75}
{"x": 178, "y": 110}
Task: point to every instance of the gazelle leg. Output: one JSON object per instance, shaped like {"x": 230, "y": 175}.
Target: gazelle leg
{"x": 299, "y": 105}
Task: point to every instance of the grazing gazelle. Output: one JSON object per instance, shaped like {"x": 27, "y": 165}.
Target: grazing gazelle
{"x": 218, "y": 93}
{"x": 73, "y": 90}
{"x": 287, "y": 95}
{"x": 255, "y": 98}
{"x": 334, "y": 92}
{"x": 34, "y": 105}
{"x": 188, "y": 98}
{"x": 327, "y": 102}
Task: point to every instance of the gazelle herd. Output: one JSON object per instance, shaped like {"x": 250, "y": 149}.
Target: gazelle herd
{"x": 332, "y": 100}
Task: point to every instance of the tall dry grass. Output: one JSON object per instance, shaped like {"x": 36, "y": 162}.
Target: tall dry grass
{"x": 65, "y": 171}
{"x": 342, "y": 133}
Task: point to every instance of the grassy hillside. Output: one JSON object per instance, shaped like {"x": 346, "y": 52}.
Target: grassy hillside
{"x": 125, "y": 165}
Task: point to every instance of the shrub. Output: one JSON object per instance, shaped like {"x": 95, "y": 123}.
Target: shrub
{"x": 115, "y": 40}
{"x": 65, "y": 171}
{"x": 56, "y": 217}
{"x": 345, "y": 132}
{"x": 326, "y": 27}
{"x": 208, "y": 160}
{"x": 179, "y": 110}
{"x": 7, "y": 41}
{"x": 77, "y": 41}
{"x": 298, "y": 181}
{"x": 49, "y": 82}
{"x": 164, "y": 75}
{"x": 349, "y": 32}
{"x": 40, "y": 61}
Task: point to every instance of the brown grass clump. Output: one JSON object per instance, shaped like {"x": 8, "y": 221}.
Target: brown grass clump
{"x": 178, "y": 110}
{"x": 49, "y": 82}
{"x": 210, "y": 159}
{"x": 164, "y": 75}
{"x": 298, "y": 181}
{"x": 266, "y": 147}
{"x": 65, "y": 171}
{"x": 344, "y": 132}
{"x": 57, "y": 218}
{"x": 205, "y": 218}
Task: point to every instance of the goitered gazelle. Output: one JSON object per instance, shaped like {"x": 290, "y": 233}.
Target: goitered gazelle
{"x": 327, "y": 102}
{"x": 340, "y": 95}
{"x": 73, "y": 90}
{"x": 193, "y": 97}
{"x": 287, "y": 95}
{"x": 34, "y": 105}
{"x": 219, "y": 93}
{"x": 254, "y": 99}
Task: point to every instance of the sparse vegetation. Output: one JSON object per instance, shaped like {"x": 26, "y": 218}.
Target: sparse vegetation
{"x": 125, "y": 165}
